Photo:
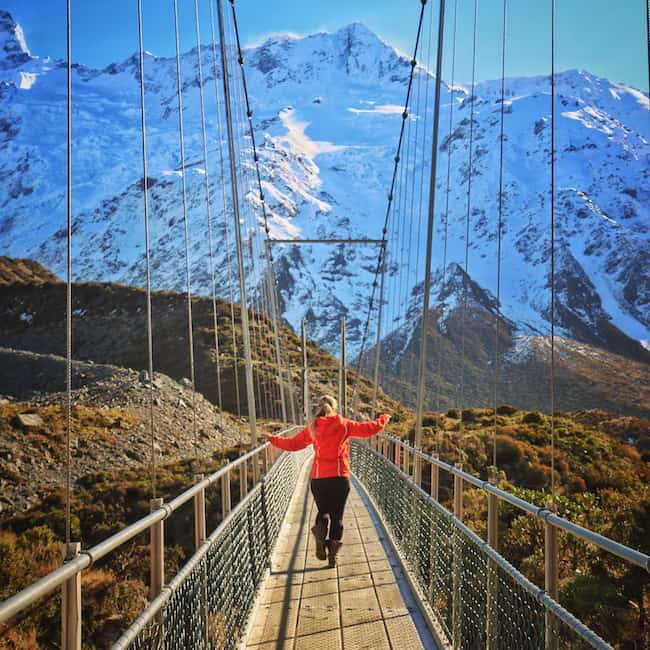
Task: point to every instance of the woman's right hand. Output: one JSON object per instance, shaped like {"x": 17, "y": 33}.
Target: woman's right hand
{"x": 383, "y": 419}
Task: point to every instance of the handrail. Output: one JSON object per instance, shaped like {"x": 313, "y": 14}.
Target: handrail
{"x": 538, "y": 593}
{"x": 605, "y": 543}
{"x": 159, "y": 602}
{"x": 48, "y": 583}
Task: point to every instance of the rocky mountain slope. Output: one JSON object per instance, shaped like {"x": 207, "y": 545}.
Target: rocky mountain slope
{"x": 327, "y": 109}
{"x": 587, "y": 376}
{"x": 110, "y": 423}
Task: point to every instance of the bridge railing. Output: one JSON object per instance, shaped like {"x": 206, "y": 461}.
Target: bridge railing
{"x": 476, "y": 598}
{"x": 273, "y": 481}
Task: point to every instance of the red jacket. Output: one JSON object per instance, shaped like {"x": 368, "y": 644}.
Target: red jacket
{"x": 330, "y": 438}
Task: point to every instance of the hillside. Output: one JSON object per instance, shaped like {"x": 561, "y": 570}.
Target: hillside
{"x": 16, "y": 271}
{"x": 587, "y": 376}
{"x": 109, "y": 327}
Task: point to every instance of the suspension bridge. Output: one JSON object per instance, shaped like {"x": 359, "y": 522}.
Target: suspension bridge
{"x": 413, "y": 573}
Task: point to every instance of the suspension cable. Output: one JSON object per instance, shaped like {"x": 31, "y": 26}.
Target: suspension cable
{"x": 447, "y": 192}
{"x": 467, "y": 221}
{"x": 68, "y": 312}
{"x": 147, "y": 246}
{"x": 208, "y": 202}
{"x": 425, "y": 131}
{"x": 647, "y": 20}
{"x": 391, "y": 194}
{"x": 553, "y": 254}
{"x": 430, "y": 229}
{"x": 499, "y": 233}
{"x": 238, "y": 119}
{"x": 186, "y": 226}
{"x": 240, "y": 261}
{"x": 256, "y": 160}
{"x": 222, "y": 171}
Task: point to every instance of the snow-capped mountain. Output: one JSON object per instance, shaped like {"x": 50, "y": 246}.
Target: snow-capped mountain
{"x": 327, "y": 112}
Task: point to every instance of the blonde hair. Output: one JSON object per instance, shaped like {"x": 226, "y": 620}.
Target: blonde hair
{"x": 327, "y": 405}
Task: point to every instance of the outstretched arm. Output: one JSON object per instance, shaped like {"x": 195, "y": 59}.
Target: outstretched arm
{"x": 299, "y": 441}
{"x": 367, "y": 429}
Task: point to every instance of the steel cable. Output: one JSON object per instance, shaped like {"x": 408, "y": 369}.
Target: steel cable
{"x": 225, "y": 212}
{"x": 147, "y": 245}
{"x": 68, "y": 311}
{"x": 553, "y": 253}
{"x": 190, "y": 332}
{"x": 499, "y": 233}
{"x": 446, "y": 221}
{"x": 208, "y": 202}
{"x": 461, "y": 401}
{"x": 391, "y": 193}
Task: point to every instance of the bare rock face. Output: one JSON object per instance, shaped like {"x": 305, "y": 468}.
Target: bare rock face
{"x": 27, "y": 421}
{"x": 12, "y": 42}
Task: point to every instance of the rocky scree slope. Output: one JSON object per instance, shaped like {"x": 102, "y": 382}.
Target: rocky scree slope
{"x": 110, "y": 423}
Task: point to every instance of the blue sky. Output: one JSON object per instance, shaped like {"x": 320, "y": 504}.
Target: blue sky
{"x": 605, "y": 37}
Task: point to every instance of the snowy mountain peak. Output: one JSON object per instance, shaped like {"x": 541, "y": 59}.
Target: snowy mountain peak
{"x": 12, "y": 41}
{"x": 354, "y": 49}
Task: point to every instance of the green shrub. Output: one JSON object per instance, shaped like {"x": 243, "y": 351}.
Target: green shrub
{"x": 534, "y": 417}
{"x": 476, "y": 415}
{"x": 506, "y": 409}
{"x": 509, "y": 451}
{"x": 431, "y": 420}
{"x": 454, "y": 414}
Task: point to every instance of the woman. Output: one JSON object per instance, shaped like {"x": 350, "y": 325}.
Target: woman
{"x": 330, "y": 472}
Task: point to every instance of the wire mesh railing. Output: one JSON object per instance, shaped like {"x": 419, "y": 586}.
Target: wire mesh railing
{"x": 249, "y": 531}
{"x": 208, "y": 603}
{"x": 475, "y": 597}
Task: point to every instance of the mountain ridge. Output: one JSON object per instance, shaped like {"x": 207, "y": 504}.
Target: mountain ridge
{"x": 316, "y": 148}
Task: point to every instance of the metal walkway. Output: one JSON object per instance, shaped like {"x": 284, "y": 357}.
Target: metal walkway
{"x": 364, "y": 602}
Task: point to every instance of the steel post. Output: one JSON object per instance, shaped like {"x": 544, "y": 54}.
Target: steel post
{"x": 458, "y": 493}
{"x": 243, "y": 479}
{"x": 343, "y": 378}
{"x": 157, "y": 551}
{"x": 226, "y": 501}
{"x": 199, "y": 515}
{"x": 305, "y": 376}
{"x": 551, "y": 582}
{"x": 71, "y": 603}
{"x": 292, "y": 397}
{"x": 435, "y": 480}
{"x": 457, "y": 564}
{"x": 491, "y": 632}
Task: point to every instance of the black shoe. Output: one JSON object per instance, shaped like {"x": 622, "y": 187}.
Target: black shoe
{"x": 319, "y": 531}
{"x": 333, "y": 546}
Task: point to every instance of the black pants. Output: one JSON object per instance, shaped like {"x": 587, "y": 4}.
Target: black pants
{"x": 330, "y": 495}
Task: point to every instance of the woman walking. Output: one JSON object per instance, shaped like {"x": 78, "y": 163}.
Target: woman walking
{"x": 330, "y": 472}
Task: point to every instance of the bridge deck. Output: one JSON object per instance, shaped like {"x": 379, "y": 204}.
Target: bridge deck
{"x": 363, "y": 603}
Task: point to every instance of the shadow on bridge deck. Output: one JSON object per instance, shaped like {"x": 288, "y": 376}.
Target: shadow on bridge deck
{"x": 363, "y": 603}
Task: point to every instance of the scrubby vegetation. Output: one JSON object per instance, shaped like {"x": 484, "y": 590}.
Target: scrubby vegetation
{"x": 115, "y": 591}
{"x": 601, "y": 478}
{"x": 602, "y": 474}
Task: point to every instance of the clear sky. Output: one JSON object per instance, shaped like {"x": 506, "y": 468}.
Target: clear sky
{"x": 606, "y": 37}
